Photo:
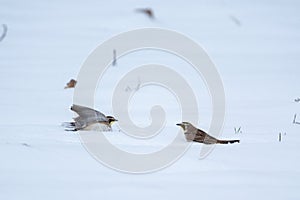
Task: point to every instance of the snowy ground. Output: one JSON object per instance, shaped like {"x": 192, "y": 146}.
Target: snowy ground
{"x": 255, "y": 46}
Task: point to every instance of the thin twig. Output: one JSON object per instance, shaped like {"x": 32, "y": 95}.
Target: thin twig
{"x": 4, "y": 32}
{"x": 235, "y": 20}
{"x": 294, "y": 121}
{"x": 114, "y": 58}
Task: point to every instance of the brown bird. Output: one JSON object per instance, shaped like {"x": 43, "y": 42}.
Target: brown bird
{"x": 197, "y": 135}
{"x": 71, "y": 84}
{"x": 147, "y": 11}
{"x": 89, "y": 119}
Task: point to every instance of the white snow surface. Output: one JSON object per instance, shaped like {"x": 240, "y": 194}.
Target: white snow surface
{"x": 255, "y": 45}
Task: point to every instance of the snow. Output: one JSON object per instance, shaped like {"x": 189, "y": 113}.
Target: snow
{"x": 45, "y": 46}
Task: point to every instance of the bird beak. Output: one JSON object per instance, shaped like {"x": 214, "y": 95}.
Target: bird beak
{"x": 113, "y": 121}
{"x": 179, "y": 124}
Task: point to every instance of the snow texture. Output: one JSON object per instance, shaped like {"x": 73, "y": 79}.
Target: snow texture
{"x": 255, "y": 45}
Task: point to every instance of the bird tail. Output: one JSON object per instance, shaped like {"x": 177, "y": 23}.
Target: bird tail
{"x": 68, "y": 124}
{"x": 227, "y": 141}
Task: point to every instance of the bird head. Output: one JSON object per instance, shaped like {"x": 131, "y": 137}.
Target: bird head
{"x": 111, "y": 119}
{"x": 184, "y": 125}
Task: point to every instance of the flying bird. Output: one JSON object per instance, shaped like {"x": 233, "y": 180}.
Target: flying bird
{"x": 197, "y": 135}
{"x": 71, "y": 84}
{"x": 89, "y": 119}
{"x": 146, "y": 11}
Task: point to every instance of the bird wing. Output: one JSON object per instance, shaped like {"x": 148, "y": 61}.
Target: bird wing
{"x": 88, "y": 115}
{"x": 202, "y": 136}
{"x": 199, "y": 136}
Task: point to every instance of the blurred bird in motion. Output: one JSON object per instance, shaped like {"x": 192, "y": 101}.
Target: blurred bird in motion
{"x": 197, "y": 135}
{"x": 89, "y": 119}
{"x": 71, "y": 84}
{"x": 146, "y": 11}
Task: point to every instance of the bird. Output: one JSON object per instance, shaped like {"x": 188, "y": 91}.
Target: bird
{"x": 146, "y": 11}
{"x": 89, "y": 119}
{"x": 197, "y": 135}
{"x": 71, "y": 84}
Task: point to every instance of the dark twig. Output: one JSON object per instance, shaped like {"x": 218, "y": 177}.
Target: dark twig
{"x": 295, "y": 120}
{"x": 238, "y": 130}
